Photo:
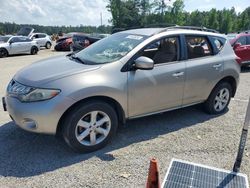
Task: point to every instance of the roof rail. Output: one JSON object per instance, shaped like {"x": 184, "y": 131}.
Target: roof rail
{"x": 190, "y": 28}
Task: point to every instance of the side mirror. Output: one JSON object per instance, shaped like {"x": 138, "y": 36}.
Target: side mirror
{"x": 10, "y": 42}
{"x": 237, "y": 45}
{"x": 144, "y": 63}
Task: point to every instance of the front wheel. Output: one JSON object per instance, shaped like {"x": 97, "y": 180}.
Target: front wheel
{"x": 90, "y": 126}
{"x": 33, "y": 50}
{"x": 3, "y": 52}
{"x": 219, "y": 98}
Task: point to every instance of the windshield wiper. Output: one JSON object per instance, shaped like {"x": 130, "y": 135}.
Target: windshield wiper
{"x": 77, "y": 58}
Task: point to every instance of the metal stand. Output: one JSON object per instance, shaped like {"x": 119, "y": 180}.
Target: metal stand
{"x": 243, "y": 140}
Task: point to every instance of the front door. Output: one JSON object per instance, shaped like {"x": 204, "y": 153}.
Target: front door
{"x": 161, "y": 88}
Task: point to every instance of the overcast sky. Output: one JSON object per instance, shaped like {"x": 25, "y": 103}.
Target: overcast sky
{"x": 85, "y": 12}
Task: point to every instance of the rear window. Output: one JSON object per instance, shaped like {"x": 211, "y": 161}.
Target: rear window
{"x": 218, "y": 43}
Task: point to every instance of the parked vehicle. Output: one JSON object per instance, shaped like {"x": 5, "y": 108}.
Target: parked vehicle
{"x": 63, "y": 44}
{"x": 241, "y": 46}
{"x": 85, "y": 96}
{"x": 42, "y": 39}
{"x": 10, "y": 45}
{"x": 81, "y": 41}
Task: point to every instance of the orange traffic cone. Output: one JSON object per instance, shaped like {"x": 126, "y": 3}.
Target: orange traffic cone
{"x": 153, "y": 175}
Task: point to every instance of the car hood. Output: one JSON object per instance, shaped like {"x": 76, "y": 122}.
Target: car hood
{"x": 51, "y": 69}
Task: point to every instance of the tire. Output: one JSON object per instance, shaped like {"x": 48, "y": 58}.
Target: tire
{"x": 3, "y": 52}
{"x": 78, "y": 126}
{"x": 219, "y": 98}
{"x": 33, "y": 50}
{"x": 48, "y": 45}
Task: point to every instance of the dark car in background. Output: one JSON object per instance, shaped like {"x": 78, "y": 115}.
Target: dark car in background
{"x": 81, "y": 41}
{"x": 241, "y": 46}
{"x": 63, "y": 43}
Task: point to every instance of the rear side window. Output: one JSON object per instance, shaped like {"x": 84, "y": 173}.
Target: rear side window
{"x": 248, "y": 40}
{"x": 218, "y": 43}
{"x": 197, "y": 47}
{"x": 242, "y": 40}
{"x": 41, "y": 36}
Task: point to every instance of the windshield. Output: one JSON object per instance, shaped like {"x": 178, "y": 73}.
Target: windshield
{"x": 110, "y": 49}
{"x": 4, "y": 39}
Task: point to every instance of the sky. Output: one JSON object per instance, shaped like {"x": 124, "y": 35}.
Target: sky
{"x": 86, "y": 12}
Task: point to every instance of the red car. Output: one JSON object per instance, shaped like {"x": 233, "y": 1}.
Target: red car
{"x": 241, "y": 46}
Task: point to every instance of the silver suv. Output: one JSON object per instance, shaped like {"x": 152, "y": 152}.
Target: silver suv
{"x": 10, "y": 45}
{"x": 134, "y": 73}
{"x": 42, "y": 39}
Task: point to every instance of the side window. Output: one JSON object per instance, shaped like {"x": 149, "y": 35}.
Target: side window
{"x": 248, "y": 40}
{"x": 162, "y": 51}
{"x": 23, "y": 39}
{"x": 35, "y": 36}
{"x": 218, "y": 43}
{"x": 198, "y": 46}
{"x": 15, "y": 39}
{"x": 242, "y": 40}
{"x": 41, "y": 36}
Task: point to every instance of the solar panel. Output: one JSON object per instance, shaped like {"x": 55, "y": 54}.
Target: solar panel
{"x": 183, "y": 174}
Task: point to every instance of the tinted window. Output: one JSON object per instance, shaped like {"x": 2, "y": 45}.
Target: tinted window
{"x": 79, "y": 38}
{"x": 242, "y": 40}
{"x": 41, "y": 35}
{"x": 218, "y": 43}
{"x": 248, "y": 40}
{"x": 198, "y": 46}
{"x": 15, "y": 39}
{"x": 162, "y": 51}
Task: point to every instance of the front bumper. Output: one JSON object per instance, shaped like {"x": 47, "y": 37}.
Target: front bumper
{"x": 39, "y": 117}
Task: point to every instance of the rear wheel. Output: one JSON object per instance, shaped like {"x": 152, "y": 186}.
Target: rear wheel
{"x": 33, "y": 50}
{"x": 48, "y": 45}
{"x": 90, "y": 126}
{"x": 219, "y": 98}
{"x": 3, "y": 52}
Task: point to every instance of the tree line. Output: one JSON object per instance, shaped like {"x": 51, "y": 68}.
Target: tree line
{"x": 143, "y": 13}
{"x": 12, "y": 28}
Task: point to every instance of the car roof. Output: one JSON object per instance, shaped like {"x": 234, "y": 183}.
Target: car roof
{"x": 154, "y": 31}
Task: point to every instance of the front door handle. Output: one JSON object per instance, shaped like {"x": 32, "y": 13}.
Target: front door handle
{"x": 178, "y": 74}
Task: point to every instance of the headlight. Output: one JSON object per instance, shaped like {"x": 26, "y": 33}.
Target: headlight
{"x": 30, "y": 94}
{"x": 39, "y": 95}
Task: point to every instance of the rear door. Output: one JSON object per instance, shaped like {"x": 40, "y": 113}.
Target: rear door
{"x": 203, "y": 68}
{"x": 41, "y": 39}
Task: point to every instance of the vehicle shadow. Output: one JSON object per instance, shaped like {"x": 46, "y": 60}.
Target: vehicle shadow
{"x": 24, "y": 154}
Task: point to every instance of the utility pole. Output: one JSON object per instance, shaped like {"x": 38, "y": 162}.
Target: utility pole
{"x": 101, "y": 18}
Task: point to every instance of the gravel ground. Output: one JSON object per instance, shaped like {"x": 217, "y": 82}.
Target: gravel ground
{"x": 32, "y": 160}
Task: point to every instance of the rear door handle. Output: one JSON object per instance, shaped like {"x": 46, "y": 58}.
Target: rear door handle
{"x": 178, "y": 74}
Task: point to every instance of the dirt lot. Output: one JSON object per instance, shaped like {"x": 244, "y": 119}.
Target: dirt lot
{"x": 32, "y": 160}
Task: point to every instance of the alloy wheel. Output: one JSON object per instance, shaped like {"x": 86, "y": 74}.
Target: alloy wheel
{"x": 221, "y": 99}
{"x": 93, "y": 128}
